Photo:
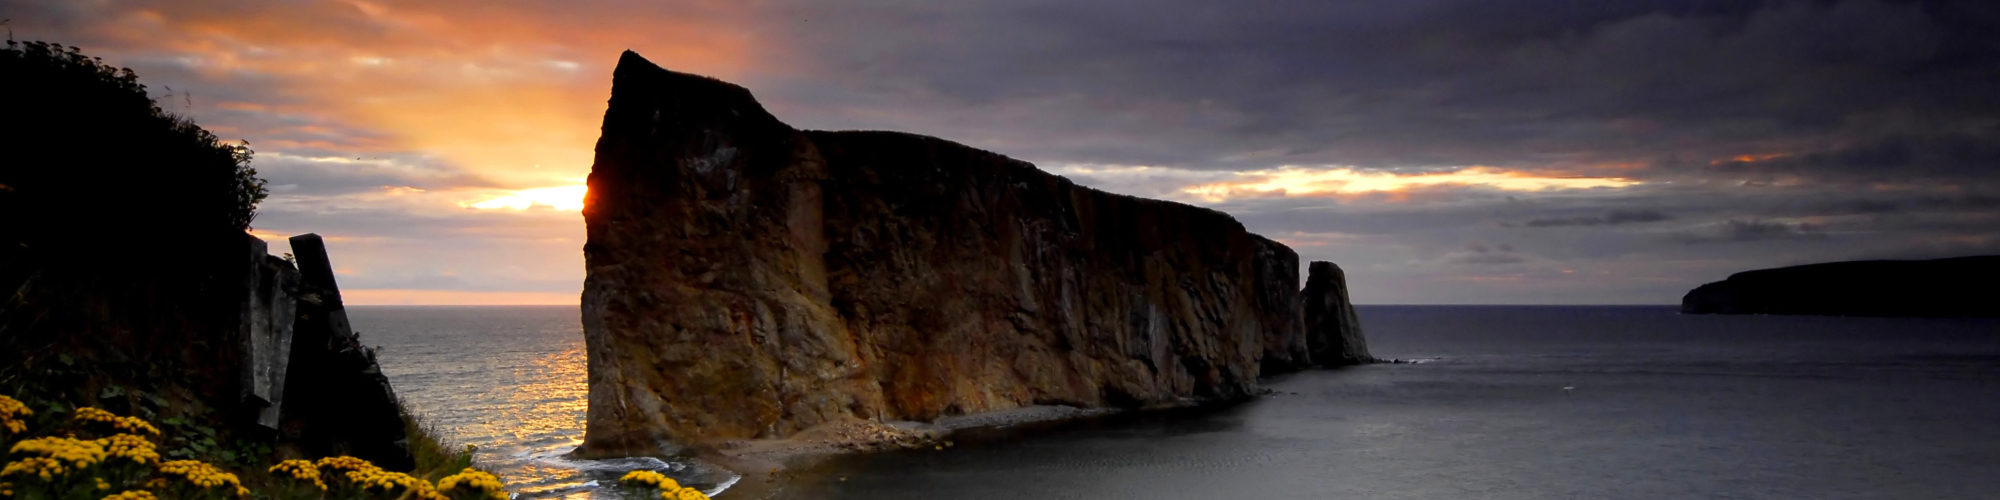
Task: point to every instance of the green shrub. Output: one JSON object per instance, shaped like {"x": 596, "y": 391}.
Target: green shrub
{"x": 93, "y": 160}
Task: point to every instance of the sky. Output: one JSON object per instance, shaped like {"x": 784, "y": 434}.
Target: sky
{"x": 1440, "y": 151}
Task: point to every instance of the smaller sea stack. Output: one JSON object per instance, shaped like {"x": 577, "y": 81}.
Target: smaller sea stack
{"x": 1333, "y": 332}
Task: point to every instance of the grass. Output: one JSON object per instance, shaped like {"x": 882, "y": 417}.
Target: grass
{"x": 435, "y": 453}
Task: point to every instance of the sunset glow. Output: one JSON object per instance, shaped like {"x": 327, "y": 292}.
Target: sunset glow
{"x": 440, "y": 146}
{"x": 1296, "y": 181}
{"x": 566, "y": 198}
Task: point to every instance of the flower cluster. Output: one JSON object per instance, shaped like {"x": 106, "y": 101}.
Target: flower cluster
{"x": 77, "y": 453}
{"x": 683, "y": 494}
{"x": 650, "y": 479}
{"x": 203, "y": 475}
{"x": 11, "y": 412}
{"x": 127, "y": 446}
{"x": 478, "y": 483}
{"x": 371, "y": 478}
{"x": 45, "y": 468}
{"x": 391, "y": 482}
{"x": 127, "y": 424}
{"x": 344, "y": 463}
{"x": 302, "y": 470}
{"x": 69, "y": 468}
{"x": 669, "y": 490}
{"x": 132, "y": 495}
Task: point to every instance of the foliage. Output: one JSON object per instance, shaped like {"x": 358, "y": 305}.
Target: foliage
{"x": 434, "y": 454}
{"x": 94, "y": 157}
{"x": 645, "y": 483}
{"x": 124, "y": 464}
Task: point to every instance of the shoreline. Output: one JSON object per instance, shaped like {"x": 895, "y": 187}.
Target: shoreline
{"x": 763, "y": 463}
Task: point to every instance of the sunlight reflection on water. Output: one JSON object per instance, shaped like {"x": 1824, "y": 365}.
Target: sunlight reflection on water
{"x": 511, "y": 381}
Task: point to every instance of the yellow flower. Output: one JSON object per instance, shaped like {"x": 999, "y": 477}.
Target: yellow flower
{"x": 202, "y": 475}
{"x": 646, "y": 478}
{"x": 345, "y": 463}
{"x": 77, "y": 452}
{"x": 374, "y": 478}
{"x": 131, "y": 495}
{"x": 302, "y": 470}
{"x": 89, "y": 414}
{"x": 127, "y": 424}
{"x": 128, "y": 446}
{"x": 11, "y": 412}
{"x": 476, "y": 481}
{"x": 45, "y": 468}
{"x": 690, "y": 494}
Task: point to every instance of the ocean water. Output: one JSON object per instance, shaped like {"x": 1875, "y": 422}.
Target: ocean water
{"x": 1510, "y": 402}
{"x": 510, "y": 381}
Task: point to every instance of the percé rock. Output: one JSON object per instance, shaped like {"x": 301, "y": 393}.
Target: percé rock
{"x": 1956, "y": 287}
{"x": 749, "y": 280}
{"x": 1333, "y": 331}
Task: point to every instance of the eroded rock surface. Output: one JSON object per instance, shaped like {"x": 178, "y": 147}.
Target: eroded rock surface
{"x": 1333, "y": 331}
{"x": 750, "y": 280}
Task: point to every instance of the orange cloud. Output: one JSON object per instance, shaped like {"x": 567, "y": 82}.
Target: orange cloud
{"x": 511, "y": 90}
{"x": 1299, "y": 181}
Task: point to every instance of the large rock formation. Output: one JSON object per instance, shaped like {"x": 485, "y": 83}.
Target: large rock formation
{"x": 1964, "y": 286}
{"x": 749, "y": 280}
{"x": 1333, "y": 331}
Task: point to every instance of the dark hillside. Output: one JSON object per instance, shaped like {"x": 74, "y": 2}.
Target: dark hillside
{"x": 1963, "y": 286}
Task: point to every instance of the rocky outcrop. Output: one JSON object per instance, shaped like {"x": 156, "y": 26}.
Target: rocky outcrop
{"x": 348, "y": 407}
{"x": 749, "y": 280}
{"x": 1332, "y": 331}
{"x": 224, "y": 335}
{"x": 1957, "y": 287}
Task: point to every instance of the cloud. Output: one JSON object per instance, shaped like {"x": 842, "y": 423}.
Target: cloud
{"x": 1734, "y": 231}
{"x": 1612, "y": 218}
{"x": 1793, "y": 124}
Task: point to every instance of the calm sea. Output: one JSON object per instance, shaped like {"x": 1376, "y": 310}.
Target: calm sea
{"x": 1511, "y": 402}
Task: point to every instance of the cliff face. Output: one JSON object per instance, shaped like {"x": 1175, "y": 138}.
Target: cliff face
{"x": 746, "y": 279}
{"x": 1961, "y": 286}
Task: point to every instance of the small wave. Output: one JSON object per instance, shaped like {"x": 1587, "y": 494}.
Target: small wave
{"x": 556, "y": 490}
{"x": 558, "y": 458}
{"x": 724, "y": 486}
{"x": 1414, "y": 361}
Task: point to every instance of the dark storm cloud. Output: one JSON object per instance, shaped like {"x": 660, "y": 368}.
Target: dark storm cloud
{"x": 1611, "y": 218}
{"x": 1410, "y": 84}
{"x": 1761, "y": 133}
{"x": 1902, "y": 157}
{"x": 1750, "y": 230}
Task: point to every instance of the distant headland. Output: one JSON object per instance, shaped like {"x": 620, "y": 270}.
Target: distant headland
{"x": 1955, "y": 287}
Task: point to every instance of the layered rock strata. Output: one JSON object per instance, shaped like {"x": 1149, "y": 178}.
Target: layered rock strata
{"x": 749, "y": 280}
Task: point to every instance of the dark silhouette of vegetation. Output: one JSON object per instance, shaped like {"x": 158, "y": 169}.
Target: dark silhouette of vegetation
{"x": 87, "y": 160}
